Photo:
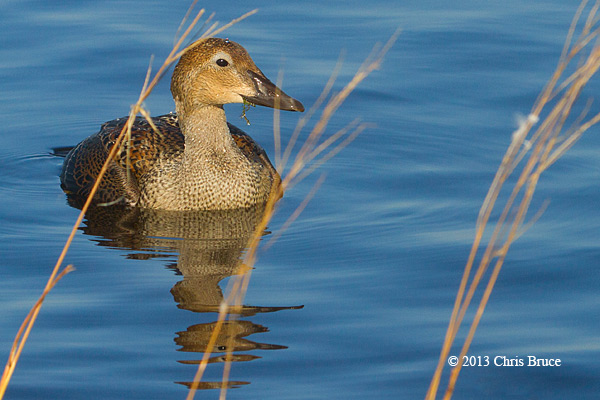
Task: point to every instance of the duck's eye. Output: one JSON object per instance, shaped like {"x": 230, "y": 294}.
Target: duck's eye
{"x": 222, "y": 62}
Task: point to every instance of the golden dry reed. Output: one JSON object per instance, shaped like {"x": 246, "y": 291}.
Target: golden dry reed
{"x": 313, "y": 152}
{"x": 57, "y": 272}
{"x": 531, "y": 152}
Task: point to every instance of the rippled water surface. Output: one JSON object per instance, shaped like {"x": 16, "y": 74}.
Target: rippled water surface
{"x": 375, "y": 259}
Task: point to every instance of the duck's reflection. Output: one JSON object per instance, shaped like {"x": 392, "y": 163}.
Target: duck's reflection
{"x": 208, "y": 246}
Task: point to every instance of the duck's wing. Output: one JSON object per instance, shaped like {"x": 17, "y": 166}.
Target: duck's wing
{"x": 146, "y": 146}
{"x": 137, "y": 156}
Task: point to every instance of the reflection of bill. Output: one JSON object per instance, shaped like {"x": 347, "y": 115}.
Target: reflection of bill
{"x": 231, "y": 338}
{"x": 208, "y": 246}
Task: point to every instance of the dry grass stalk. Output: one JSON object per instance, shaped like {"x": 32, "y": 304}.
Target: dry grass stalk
{"x": 122, "y": 139}
{"x": 543, "y": 148}
{"x": 25, "y": 329}
{"x": 309, "y": 152}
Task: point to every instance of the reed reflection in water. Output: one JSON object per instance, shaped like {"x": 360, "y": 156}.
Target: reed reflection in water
{"x": 208, "y": 246}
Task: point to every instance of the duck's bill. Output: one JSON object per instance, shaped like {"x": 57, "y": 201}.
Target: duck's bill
{"x": 269, "y": 95}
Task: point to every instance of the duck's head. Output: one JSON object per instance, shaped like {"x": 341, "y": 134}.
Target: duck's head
{"x": 218, "y": 71}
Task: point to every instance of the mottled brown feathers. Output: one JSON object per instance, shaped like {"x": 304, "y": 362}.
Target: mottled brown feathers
{"x": 145, "y": 148}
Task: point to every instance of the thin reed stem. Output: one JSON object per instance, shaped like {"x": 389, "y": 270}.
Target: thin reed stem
{"x": 125, "y": 133}
{"x": 241, "y": 281}
{"x": 542, "y": 152}
{"x": 238, "y": 286}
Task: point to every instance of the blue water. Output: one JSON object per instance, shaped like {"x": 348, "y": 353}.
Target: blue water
{"x": 376, "y": 257}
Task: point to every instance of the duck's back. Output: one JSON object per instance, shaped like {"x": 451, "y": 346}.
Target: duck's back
{"x": 146, "y": 150}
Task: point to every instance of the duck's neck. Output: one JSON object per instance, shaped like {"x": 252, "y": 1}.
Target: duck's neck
{"x": 206, "y": 132}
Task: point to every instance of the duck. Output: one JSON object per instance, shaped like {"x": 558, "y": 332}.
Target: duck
{"x": 195, "y": 159}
